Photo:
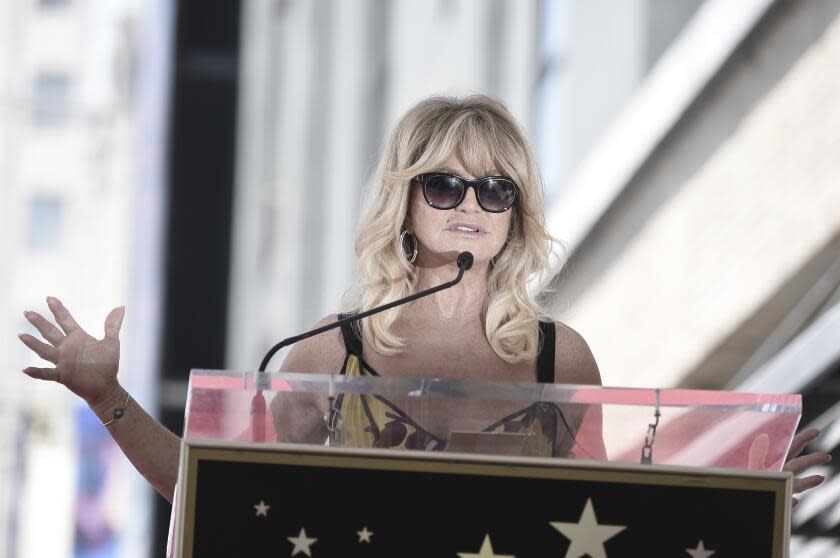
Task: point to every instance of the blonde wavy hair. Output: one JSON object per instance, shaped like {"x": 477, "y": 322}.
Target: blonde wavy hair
{"x": 483, "y": 133}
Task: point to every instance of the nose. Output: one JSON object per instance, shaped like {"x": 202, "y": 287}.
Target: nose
{"x": 470, "y": 203}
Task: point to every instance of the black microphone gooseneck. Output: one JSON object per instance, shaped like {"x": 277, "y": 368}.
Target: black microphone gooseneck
{"x": 465, "y": 261}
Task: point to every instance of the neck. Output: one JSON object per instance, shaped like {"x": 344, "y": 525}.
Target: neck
{"x": 462, "y": 302}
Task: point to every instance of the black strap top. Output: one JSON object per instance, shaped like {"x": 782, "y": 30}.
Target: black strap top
{"x": 371, "y": 420}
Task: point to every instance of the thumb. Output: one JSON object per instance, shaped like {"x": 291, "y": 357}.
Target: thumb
{"x": 113, "y": 323}
{"x": 758, "y": 452}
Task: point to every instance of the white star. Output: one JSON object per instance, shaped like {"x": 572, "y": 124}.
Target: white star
{"x": 262, "y": 509}
{"x": 485, "y": 552}
{"x": 586, "y": 536}
{"x": 302, "y": 543}
{"x": 364, "y": 535}
{"x": 700, "y": 551}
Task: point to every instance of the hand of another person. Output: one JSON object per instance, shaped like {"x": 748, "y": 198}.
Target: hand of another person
{"x": 85, "y": 365}
{"x": 798, "y": 464}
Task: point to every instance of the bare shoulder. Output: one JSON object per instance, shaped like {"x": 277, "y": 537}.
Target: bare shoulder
{"x": 573, "y": 360}
{"x": 322, "y": 353}
{"x": 299, "y": 417}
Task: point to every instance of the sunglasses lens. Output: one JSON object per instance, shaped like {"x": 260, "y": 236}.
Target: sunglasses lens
{"x": 443, "y": 192}
{"x": 496, "y": 195}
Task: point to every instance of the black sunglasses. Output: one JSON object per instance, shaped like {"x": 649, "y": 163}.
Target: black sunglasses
{"x": 495, "y": 194}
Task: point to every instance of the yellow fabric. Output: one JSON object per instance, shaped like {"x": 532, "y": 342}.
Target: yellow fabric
{"x": 370, "y": 421}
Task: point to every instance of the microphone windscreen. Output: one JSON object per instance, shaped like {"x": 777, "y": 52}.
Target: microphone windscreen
{"x": 465, "y": 260}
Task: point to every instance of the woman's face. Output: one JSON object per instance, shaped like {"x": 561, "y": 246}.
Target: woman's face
{"x": 442, "y": 234}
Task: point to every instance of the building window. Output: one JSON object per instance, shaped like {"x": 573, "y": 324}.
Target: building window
{"x": 46, "y": 216}
{"x": 52, "y": 3}
{"x": 51, "y": 100}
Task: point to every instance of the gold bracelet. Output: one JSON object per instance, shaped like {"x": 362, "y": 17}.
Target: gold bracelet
{"x": 118, "y": 412}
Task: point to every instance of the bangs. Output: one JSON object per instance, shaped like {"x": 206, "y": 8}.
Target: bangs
{"x": 474, "y": 139}
{"x": 476, "y": 150}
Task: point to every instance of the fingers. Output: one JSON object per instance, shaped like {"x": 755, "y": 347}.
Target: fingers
{"x": 44, "y": 327}
{"x": 807, "y": 483}
{"x": 48, "y": 374}
{"x": 801, "y": 440}
{"x": 43, "y": 350}
{"x": 62, "y": 315}
{"x": 113, "y": 323}
{"x": 758, "y": 451}
{"x": 801, "y": 463}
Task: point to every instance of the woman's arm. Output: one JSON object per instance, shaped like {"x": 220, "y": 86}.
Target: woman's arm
{"x": 151, "y": 447}
{"x": 300, "y": 417}
{"x": 88, "y": 367}
{"x": 573, "y": 360}
{"x": 574, "y": 364}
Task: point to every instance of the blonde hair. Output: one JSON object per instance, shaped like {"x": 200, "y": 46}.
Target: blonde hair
{"x": 485, "y": 136}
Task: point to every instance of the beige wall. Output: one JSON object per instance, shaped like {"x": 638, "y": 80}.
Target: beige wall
{"x": 742, "y": 194}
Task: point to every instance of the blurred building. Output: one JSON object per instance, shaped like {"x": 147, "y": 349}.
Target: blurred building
{"x": 705, "y": 224}
{"x": 67, "y": 174}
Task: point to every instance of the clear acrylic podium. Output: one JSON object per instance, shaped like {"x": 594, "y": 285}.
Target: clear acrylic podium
{"x": 323, "y": 465}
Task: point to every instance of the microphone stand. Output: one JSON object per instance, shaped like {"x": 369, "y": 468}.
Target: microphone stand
{"x": 258, "y": 406}
{"x": 465, "y": 261}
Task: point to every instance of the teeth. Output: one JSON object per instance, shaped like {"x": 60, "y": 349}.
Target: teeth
{"x": 460, "y": 228}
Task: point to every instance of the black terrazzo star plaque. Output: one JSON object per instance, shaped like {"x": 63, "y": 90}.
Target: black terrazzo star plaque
{"x": 322, "y": 502}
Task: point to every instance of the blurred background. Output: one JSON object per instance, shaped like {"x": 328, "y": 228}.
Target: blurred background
{"x": 203, "y": 163}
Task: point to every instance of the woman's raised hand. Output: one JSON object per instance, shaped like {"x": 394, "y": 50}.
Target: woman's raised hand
{"x": 793, "y": 461}
{"x": 87, "y": 366}
{"x": 798, "y": 464}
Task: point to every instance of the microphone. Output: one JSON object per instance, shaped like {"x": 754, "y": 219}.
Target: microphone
{"x": 465, "y": 262}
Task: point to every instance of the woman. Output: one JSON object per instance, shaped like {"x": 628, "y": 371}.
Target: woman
{"x": 421, "y": 214}
{"x": 457, "y": 175}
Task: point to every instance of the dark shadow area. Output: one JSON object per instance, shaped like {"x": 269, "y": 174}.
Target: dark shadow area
{"x": 200, "y": 176}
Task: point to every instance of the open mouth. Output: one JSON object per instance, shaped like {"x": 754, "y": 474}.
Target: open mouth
{"x": 465, "y": 228}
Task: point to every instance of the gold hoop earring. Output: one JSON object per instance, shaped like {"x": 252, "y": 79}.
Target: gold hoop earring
{"x": 413, "y": 250}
